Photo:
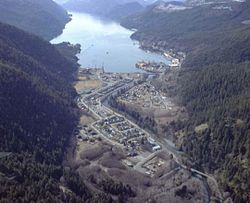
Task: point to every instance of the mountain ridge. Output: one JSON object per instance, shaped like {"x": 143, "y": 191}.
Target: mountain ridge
{"x": 111, "y": 9}
{"x": 43, "y": 18}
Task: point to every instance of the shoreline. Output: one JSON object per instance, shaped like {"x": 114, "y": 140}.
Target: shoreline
{"x": 167, "y": 53}
{"x": 102, "y": 54}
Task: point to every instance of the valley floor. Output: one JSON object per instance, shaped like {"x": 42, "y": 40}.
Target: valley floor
{"x": 109, "y": 144}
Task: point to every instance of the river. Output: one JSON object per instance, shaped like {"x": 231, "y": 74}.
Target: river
{"x": 104, "y": 43}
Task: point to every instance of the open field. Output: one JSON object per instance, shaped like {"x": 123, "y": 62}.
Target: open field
{"x": 86, "y": 119}
{"x": 85, "y": 83}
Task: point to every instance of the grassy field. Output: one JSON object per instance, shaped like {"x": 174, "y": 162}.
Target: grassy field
{"x": 84, "y": 83}
{"x": 86, "y": 119}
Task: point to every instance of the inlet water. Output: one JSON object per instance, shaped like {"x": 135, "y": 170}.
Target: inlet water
{"x": 104, "y": 44}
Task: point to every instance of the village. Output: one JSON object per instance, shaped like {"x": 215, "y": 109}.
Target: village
{"x": 146, "y": 96}
{"x": 158, "y": 67}
{"x": 108, "y": 139}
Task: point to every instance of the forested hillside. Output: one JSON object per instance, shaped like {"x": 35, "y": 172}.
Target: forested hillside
{"x": 188, "y": 29}
{"x": 218, "y": 95}
{"x": 38, "y": 116}
{"x": 213, "y": 85}
{"x": 215, "y": 90}
{"x": 44, "y": 18}
{"x": 121, "y": 11}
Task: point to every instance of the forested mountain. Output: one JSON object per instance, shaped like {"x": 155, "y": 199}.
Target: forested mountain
{"x": 213, "y": 85}
{"x": 41, "y": 17}
{"x": 218, "y": 95}
{"x": 38, "y": 116}
{"x": 190, "y": 28}
{"x": 120, "y": 11}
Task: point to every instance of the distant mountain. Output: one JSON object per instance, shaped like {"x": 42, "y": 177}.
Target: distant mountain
{"x": 44, "y": 18}
{"x": 142, "y": 2}
{"x": 201, "y": 2}
{"x": 97, "y": 7}
{"x": 120, "y": 11}
{"x": 60, "y": 1}
{"x": 114, "y": 9}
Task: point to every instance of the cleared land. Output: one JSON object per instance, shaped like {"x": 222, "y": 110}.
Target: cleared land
{"x": 84, "y": 83}
{"x": 86, "y": 119}
{"x": 99, "y": 160}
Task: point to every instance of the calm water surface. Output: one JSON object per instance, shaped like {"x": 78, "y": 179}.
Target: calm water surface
{"x": 104, "y": 44}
